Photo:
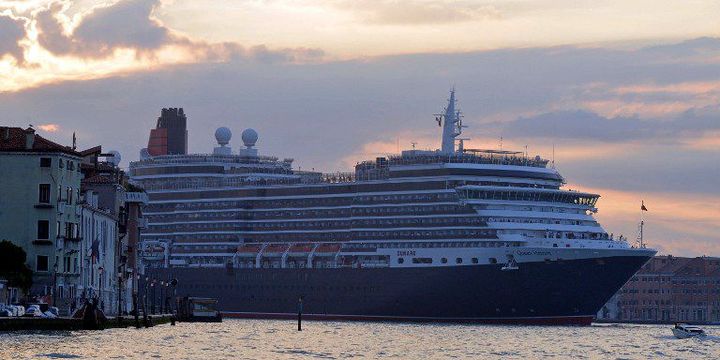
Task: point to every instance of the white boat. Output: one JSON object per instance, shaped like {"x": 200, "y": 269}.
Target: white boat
{"x": 684, "y": 331}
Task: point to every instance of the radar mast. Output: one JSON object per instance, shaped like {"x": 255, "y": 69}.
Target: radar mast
{"x": 451, "y": 122}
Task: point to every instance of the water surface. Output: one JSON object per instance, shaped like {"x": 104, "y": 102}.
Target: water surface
{"x": 276, "y": 339}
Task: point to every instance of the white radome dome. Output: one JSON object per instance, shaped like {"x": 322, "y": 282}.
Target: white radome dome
{"x": 249, "y": 137}
{"x": 115, "y": 159}
{"x": 223, "y": 135}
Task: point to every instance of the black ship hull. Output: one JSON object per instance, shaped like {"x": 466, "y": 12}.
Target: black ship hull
{"x": 555, "y": 292}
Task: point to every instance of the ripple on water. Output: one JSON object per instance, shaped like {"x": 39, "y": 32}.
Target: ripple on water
{"x": 276, "y": 339}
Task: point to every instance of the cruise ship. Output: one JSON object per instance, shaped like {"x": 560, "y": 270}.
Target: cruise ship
{"x": 451, "y": 235}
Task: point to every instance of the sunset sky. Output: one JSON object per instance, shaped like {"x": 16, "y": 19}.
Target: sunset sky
{"x": 627, "y": 92}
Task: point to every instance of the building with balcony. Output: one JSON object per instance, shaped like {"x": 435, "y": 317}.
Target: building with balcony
{"x": 38, "y": 209}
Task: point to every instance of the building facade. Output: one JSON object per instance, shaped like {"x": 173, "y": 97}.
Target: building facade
{"x": 669, "y": 289}
{"x": 38, "y": 209}
{"x": 71, "y": 213}
{"x": 112, "y": 221}
{"x": 100, "y": 250}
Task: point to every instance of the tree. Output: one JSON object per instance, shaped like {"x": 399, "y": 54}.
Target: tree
{"x": 13, "y": 267}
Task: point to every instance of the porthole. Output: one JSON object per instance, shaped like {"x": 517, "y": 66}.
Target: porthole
{"x": 458, "y": 260}
{"x": 493, "y": 260}
{"x": 475, "y": 260}
{"x": 401, "y": 260}
{"x": 443, "y": 260}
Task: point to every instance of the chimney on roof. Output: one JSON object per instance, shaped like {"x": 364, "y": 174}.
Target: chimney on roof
{"x": 29, "y": 138}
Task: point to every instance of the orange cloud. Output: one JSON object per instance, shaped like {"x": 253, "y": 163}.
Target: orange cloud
{"x": 699, "y": 87}
{"x": 619, "y": 107}
{"x": 49, "y": 127}
{"x": 707, "y": 141}
{"x": 640, "y": 102}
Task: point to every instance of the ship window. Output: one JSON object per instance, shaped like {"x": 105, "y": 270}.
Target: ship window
{"x": 401, "y": 260}
{"x": 422, "y": 260}
{"x": 459, "y": 260}
{"x": 474, "y": 260}
{"x": 493, "y": 260}
{"x": 443, "y": 260}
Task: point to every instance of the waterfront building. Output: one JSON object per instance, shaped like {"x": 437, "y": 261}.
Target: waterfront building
{"x": 453, "y": 234}
{"x": 99, "y": 253}
{"x": 38, "y": 209}
{"x": 669, "y": 289}
{"x": 112, "y": 220}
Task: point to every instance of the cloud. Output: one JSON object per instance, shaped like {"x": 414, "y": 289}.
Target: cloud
{"x": 130, "y": 24}
{"x": 395, "y": 12}
{"x": 125, "y": 24}
{"x": 584, "y": 124}
{"x": 49, "y": 127}
{"x": 12, "y": 31}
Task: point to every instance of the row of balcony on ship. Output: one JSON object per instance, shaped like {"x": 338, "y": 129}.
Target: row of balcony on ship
{"x": 413, "y": 211}
{"x": 357, "y": 223}
{"x": 368, "y": 191}
{"x": 534, "y": 195}
{"x": 471, "y": 220}
{"x": 327, "y": 236}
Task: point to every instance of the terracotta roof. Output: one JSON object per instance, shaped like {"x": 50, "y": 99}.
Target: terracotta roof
{"x": 92, "y": 150}
{"x": 672, "y": 265}
{"x": 13, "y": 139}
{"x": 699, "y": 266}
{"x": 100, "y": 179}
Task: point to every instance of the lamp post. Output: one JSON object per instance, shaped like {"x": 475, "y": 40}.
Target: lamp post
{"x": 54, "y": 288}
{"x": 152, "y": 304}
{"x": 162, "y": 291}
{"x": 135, "y": 300}
{"x": 174, "y": 283}
{"x": 119, "y": 314}
{"x": 100, "y": 287}
{"x": 145, "y": 292}
{"x": 167, "y": 296}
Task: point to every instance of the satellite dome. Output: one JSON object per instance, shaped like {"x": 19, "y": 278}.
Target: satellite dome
{"x": 249, "y": 137}
{"x": 223, "y": 135}
{"x": 115, "y": 159}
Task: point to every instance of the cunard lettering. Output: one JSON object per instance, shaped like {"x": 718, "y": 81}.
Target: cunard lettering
{"x": 406, "y": 253}
{"x": 534, "y": 252}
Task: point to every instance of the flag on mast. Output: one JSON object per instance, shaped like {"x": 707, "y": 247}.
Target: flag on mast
{"x": 642, "y": 206}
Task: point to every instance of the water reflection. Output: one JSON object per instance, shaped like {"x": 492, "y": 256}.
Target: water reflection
{"x": 258, "y": 339}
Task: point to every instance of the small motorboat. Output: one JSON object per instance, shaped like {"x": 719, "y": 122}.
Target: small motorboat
{"x": 684, "y": 331}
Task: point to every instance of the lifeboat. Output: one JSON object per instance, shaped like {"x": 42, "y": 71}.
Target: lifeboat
{"x": 248, "y": 250}
{"x": 325, "y": 249}
{"x": 301, "y": 248}
{"x": 275, "y": 250}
